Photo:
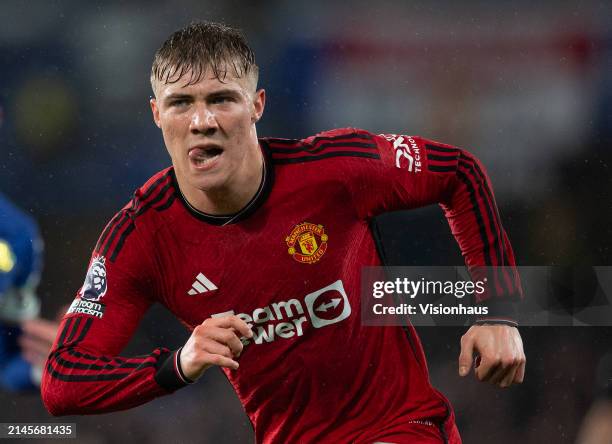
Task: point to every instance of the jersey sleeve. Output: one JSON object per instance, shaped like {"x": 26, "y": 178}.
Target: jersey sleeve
{"x": 84, "y": 373}
{"x": 414, "y": 172}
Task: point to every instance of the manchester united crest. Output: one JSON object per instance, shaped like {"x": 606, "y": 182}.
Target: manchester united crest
{"x": 307, "y": 243}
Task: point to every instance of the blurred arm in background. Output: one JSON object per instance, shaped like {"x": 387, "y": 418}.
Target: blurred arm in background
{"x": 20, "y": 267}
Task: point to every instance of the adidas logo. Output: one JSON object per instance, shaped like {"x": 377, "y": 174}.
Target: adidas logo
{"x": 201, "y": 285}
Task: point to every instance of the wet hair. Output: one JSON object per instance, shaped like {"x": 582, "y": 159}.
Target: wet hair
{"x": 199, "y": 47}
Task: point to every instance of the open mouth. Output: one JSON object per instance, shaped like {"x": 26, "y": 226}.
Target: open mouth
{"x": 202, "y": 156}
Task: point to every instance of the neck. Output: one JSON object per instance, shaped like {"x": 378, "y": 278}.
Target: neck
{"x": 230, "y": 198}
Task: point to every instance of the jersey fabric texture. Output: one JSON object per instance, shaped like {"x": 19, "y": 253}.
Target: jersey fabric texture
{"x": 289, "y": 265}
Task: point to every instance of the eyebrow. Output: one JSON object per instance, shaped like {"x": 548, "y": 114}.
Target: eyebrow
{"x": 220, "y": 92}
{"x": 224, "y": 91}
{"x": 177, "y": 96}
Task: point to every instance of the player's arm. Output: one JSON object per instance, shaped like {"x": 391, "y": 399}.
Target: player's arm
{"x": 85, "y": 374}
{"x": 419, "y": 172}
{"x": 80, "y": 378}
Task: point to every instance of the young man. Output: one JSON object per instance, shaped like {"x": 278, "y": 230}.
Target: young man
{"x": 257, "y": 245}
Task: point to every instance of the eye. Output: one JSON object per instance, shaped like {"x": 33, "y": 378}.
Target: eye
{"x": 179, "y": 102}
{"x": 221, "y": 99}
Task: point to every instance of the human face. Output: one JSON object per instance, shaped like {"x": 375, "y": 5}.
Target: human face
{"x": 209, "y": 131}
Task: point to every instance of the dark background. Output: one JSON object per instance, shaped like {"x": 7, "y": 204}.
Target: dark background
{"x": 524, "y": 86}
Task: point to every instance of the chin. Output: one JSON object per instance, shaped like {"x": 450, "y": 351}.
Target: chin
{"x": 206, "y": 183}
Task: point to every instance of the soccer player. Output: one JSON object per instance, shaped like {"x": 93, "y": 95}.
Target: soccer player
{"x": 256, "y": 244}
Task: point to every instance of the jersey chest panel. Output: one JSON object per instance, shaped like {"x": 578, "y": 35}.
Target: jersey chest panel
{"x": 289, "y": 269}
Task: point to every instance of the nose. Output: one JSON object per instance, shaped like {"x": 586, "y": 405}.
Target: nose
{"x": 203, "y": 121}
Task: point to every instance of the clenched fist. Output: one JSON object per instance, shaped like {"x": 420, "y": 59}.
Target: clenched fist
{"x": 216, "y": 341}
{"x": 501, "y": 360}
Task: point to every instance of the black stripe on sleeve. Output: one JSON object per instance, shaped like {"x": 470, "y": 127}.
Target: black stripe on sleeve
{"x": 496, "y": 232}
{"x": 91, "y": 366}
{"x": 64, "y": 331}
{"x": 91, "y": 378}
{"x": 291, "y": 160}
{"x": 167, "y": 204}
{"x": 442, "y": 168}
{"x": 470, "y": 171}
{"x": 473, "y": 170}
{"x": 99, "y": 377}
{"x": 125, "y": 217}
{"x": 494, "y": 220}
{"x": 152, "y": 188}
{"x": 85, "y": 330}
{"x": 78, "y": 354}
{"x": 323, "y": 146}
{"x": 315, "y": 140}
{"x": 492, "y": 200}
{"x": 74, "y": 329}
{"x": 107, "y": 230}
{"x": 479, "y": 217}
{"x": 442, "y": 158}
{"x": 119, "y": 220}
{"x": 349, "y": 136}
{"x": 122, "y": 239}
{"x": 126, "y": 232}
{"x": 441, "y": 149}
{"x": 155, "y": 200}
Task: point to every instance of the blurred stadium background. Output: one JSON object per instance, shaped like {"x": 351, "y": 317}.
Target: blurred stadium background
{"x": 527, "y": 86}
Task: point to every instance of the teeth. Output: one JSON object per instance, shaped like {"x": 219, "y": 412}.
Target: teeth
{"x": 203, "y": 160}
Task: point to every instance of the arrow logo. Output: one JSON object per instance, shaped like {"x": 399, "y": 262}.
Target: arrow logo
{"x": 333, "y": 304}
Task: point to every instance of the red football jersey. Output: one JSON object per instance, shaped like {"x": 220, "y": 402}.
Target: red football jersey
{"x": 289, "y": 264}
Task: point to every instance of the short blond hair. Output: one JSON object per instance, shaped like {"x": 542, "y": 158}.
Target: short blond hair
{"x": 199, "y": 47}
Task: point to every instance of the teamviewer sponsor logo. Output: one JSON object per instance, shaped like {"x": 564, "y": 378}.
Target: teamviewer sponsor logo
{"x": 317, "y": 305}
{"x": 321, "y": 310}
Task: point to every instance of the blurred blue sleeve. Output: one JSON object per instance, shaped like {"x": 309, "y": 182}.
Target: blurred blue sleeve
{"x": 20, "y": 269}
{"x": 20, "y": 248}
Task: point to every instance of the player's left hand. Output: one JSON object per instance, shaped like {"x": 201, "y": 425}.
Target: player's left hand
{"x": 501, "y": 359}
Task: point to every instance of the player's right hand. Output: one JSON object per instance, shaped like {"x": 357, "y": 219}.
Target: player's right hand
{"x": 216, "y": 341}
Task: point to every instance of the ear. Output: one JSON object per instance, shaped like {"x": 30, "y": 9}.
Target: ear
{"x": 259, "y": 103}
{"x": 155, "y": 111}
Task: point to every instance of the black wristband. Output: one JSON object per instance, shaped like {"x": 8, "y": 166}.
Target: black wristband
{"x": 166, "y": 374}
{"x": 180, "y": 369}
{"x": 500, "y": 312}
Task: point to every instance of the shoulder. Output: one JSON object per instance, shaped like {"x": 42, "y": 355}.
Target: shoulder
{"x": 140, "y": 217}
{"x": 336, "y": 143}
